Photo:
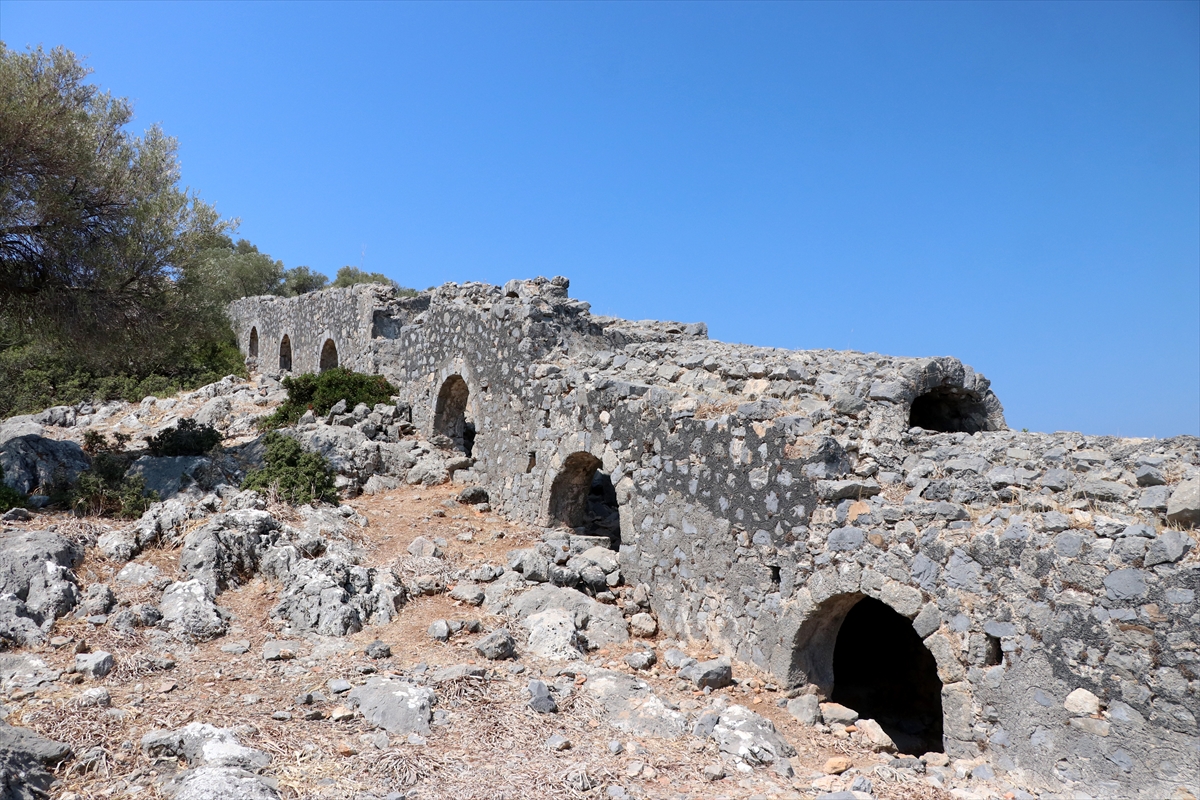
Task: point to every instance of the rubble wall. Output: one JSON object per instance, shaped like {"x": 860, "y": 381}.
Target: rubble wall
{"x": 763, "y": 492}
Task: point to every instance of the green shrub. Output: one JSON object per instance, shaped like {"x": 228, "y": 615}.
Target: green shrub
{"x": 298, "y": 477}
{"x": 104, "y": 489}
{"x": 187, "y": 438}
{"x": 322, "y": 392}
{"x": 9, "y": 497}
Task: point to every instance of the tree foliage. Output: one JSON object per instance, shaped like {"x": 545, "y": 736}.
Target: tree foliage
{"x": 94, "y": 228}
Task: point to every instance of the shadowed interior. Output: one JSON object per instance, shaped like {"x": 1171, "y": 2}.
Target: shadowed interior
{"x": 883, "y": 671}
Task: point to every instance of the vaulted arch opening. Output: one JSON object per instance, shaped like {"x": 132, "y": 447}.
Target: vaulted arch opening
{"x": 329, "y": 355}
{"x": 864, "y": 655}
{"x": 451, "y": 416}
{"x": 948, "y": 409}
{"x": 285, "y": 354}
{"x": 883, "y": 670}
{"x": 584, "y": 498}
{"x": 252, "y": 348}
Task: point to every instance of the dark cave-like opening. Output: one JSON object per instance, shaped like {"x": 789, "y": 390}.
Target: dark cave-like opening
{"x": 948, "y": 410}
{"x": 883, "y": 670}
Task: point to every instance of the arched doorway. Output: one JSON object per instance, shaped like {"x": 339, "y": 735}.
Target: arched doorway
{"x": 948, "y": 409}
{"x": 285, "y": 354}
{"x": 584, "y": 498}
{"x": 252, "y": 349}
{"x": 864, "y": 655}
{"x": 450, "y": 414}
{"x": 329, "y": 355}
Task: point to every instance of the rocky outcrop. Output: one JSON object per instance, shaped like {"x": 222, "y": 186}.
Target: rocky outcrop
{"x": 37, "y": 585}
{"x": 25, "y": 763}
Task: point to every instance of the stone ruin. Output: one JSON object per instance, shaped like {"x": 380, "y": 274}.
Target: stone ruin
{"x": 866, "y": 528}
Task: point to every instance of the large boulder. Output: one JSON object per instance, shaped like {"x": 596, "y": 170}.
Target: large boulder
{"x": 24, "y": 759}
{"x": 222, "y": 767}
{"x": 750, "y": 737}
{"x": 227, "y": 548}
{"x": 33, "y": 461}
{"x": 631, "y": 706}
{"x": 168, "y": 475}
{"x": 1183, "y": 507}
{"x": 36, "y": 583}
{"x": 396, "y": 706}
{"x": 190, "y": 613}
{"x": 600, "y": 625}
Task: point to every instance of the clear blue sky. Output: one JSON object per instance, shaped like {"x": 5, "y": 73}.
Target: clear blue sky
{"x": 1015, "y": 184}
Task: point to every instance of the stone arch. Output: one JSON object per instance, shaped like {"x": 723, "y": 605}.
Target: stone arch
{"x": 863, "y": 654}
{"x": 450, "y": 414}
{"x": 285, "y": 354}
{"x": 584, "y": 498}
{"x": 329, "y": 355}
{"x": 252, "y": 347}
{"x": 949, "y": 409}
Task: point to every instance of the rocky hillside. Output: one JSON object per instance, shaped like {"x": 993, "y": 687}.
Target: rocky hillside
{"x": 408, "y": 643}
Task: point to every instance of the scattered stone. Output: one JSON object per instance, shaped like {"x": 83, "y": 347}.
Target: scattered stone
{"x": 643, "y": 625}
{"x": 1082, "y": 702}
{"x": 280, "y": 650}
{"x": 641, "y": 659}
{"x": 468, "y": 593}
{"x": 497, "y": 646}
{"x": 716, "y": 674}
{"x": 439, "y": 630}
{"x": 875, "y": 734}
{"x": 540, "y": 698}
{"x": 714, "y": 772}
{"x": 93, "y": 665}
{"x": 396, "y": 706}
{"x": 99, "y": 696}
{"x": 805, "y": 708}
{"x": 837, "y": 765}
{"x": 378, "y": 650}
{"x": 558, "y": 743}
{"x": 1183, "y": 507}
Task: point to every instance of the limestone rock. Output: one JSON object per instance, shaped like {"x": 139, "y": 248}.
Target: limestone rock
{"x": 753, "y": 738}
{"x": 396, "y": 706}
{"x": 1183, "y": 507}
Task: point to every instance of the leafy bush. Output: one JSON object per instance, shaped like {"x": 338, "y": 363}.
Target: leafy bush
{"x": 105, "y": 490}
{"x": 298, "y": 477}
{"x": 34, "y": 376}
{"x": 95, "y": 442}
{"x": 9, "y": 497}
{"x": 187, "y": 438}
{"x": 322, "y": 392}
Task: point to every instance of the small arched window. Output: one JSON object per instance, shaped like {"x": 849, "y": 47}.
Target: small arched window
{"x": 252, "y": 349}
{"x": 329, "y": 355}
{"x": 285, "y": 354}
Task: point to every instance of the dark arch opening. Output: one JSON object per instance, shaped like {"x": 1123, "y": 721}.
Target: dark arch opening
{"x": 584, "y": 498}
{"x": 948, "y": 409}
{"x": 285, "y": 354}
{"x": 253, "y": 348}
{"x": 329, "y": 355}
{"x": 450, "y": 414}
{"x": 883, "y": 670}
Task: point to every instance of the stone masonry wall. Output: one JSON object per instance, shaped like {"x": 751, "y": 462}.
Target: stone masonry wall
{"x": 764, "y": 492}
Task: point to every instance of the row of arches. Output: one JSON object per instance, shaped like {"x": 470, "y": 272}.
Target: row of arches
{"x": 328, "y": 358}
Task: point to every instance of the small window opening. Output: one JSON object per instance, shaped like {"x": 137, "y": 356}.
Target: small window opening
{"x": 948, "y": 410}
{"x": 532, "y": 463}
{"x": 583, "y": 498}
{"x": 285, "y": 354}
{"x": 329, "y": 355}
{"x": 883, "y": 670}
{"x": 253, "y": 348}
{"x": 776, "y": 577}
{"x": 450, "y": 415}
{"x": 993, "y": 655}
